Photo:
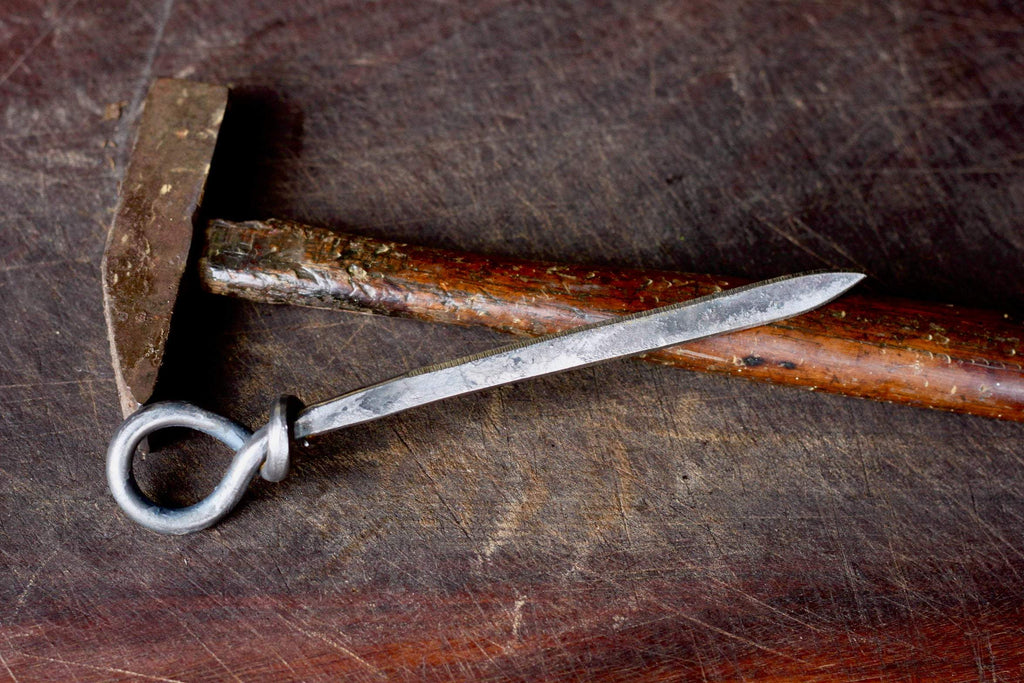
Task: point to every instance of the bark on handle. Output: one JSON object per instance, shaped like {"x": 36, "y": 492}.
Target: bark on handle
{"x": 920, "y": 354}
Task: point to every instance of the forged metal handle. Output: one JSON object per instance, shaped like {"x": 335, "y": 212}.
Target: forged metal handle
{"x": 265, "y": 450}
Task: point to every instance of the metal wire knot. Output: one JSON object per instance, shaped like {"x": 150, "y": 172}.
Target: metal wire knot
{"x": 267, "y": 450}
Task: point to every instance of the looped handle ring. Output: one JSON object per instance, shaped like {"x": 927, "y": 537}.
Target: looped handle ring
{"x": 251, "y": 453}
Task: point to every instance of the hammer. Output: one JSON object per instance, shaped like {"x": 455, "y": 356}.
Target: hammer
{"x": 921, "y": 354}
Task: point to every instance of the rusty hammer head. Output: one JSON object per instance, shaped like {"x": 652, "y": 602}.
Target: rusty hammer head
{"x": 150, "y": 238}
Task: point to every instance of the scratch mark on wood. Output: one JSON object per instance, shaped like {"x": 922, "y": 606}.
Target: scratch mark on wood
{"x": 20, "y": 61}
{"x": 58, "y": 383}
{"x": 120, "y": 137}
{"x": 521, "y": 500}
{"x": 19, "y": 603}
{"x": 105, "y": 669}
{"x": 701, "y": 623}
{"x": 444, "y": 501}
{"x": 3, "y": 660}
{"x": 203, "y": 645}
{"x": 33, "y": 267}
{"x": 505, "y": 527}
{"x": 757, "y": 601}
{"x": 517, "y": 615}
{"x": 336, "y": 645}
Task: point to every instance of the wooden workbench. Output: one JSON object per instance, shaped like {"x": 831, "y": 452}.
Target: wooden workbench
{"x": 619, "y": 521}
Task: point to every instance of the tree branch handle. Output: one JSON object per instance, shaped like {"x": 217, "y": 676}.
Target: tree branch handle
{"x": 921, "y": 354}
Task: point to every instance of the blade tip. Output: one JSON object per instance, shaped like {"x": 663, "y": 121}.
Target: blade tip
{"x": 838, "y": 283}
{"x": 849, "y": 276}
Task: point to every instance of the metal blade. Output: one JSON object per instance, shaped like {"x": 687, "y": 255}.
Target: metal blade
{"x": 148, "y": 244}
{"x": 729, "y": 311}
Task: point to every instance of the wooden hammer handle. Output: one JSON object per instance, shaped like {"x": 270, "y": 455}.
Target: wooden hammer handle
{"x": 928, "y": 355}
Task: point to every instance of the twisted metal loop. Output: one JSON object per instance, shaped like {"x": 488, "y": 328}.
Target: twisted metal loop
{"x": 251, "y": 452}
{"x": 279, "y": 438}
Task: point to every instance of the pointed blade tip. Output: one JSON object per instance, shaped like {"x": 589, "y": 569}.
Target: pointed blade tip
{"x": 830, "y": 285}
{"x": 843, "y": 279}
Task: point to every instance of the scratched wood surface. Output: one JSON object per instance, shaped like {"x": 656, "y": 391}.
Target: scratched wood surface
{"x": 618, "y": 521}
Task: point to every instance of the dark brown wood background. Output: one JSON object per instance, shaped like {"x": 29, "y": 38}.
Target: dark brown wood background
{"x": 620, "y": 520}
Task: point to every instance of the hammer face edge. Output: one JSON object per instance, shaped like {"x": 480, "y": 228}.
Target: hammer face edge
{"x": 150, "y": 237}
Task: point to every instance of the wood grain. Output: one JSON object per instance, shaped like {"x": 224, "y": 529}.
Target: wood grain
{"x": 630, "y": 521}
